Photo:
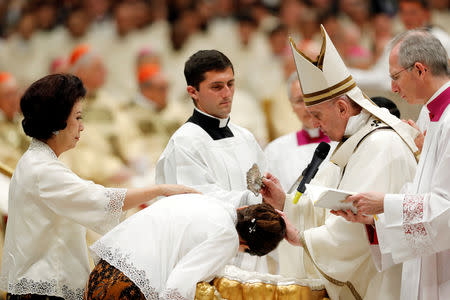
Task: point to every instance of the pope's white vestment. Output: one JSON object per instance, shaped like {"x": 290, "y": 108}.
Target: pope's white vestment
{"x": 372, "y": 157}
{"x": 213, "y": 156}
{"x": 287, "y": 157}
{"x": 416, "y": 223}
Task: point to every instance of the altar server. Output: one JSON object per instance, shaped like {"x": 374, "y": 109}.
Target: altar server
{"x": 209, "y": 152}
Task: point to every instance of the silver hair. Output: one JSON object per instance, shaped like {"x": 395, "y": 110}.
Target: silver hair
{"x": 292, "y": 78}
{"x": 419, "y": 45}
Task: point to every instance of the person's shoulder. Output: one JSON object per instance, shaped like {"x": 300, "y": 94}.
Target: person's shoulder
{"x": 189, "y": 131}
{"x": 446, "y": 115}
{"x": 381, "y": 135}
{"x": 383, "y": 139}
{"x": 284, "y": 140}
{"x": 443, "y": 125}
{"x": 241, "y": 131}
{"x": 35, "y": 163}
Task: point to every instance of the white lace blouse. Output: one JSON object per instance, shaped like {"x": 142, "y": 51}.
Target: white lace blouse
{"x": 45, "y": 249}
{"x": 168, "y": 247}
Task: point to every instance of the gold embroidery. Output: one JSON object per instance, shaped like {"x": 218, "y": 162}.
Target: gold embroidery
{"x": 5, "y": 170}
{"x": 327, "y": 277}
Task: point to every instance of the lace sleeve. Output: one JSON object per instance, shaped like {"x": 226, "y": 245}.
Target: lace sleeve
{"x": 113, "y": 208}
{"x": 171, "y": 294}
{"x": 122, "y": 261}
{"x": 413, "y": 227}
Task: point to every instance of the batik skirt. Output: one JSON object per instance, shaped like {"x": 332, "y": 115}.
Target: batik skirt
{"x": 107, "y": 282}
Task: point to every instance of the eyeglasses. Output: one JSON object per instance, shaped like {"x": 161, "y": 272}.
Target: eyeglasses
{"x": 395, "y": 76}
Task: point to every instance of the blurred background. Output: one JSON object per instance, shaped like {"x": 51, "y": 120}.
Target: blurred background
{"x": 130, "y": 54}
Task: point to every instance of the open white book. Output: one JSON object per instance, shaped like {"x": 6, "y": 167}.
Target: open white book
{"x": 330, "y": 198}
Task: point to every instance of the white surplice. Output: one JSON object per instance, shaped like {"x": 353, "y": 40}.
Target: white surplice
{"x": 373, "y": 157}
{"x": 215, "y": 167}
{"x": 170, "y": 246}
{"x": 416, "y": 223}
{"x": 45, "y": 249}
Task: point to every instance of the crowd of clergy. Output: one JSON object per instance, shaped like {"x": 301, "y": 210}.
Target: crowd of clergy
{"x": 130, "y": 56}
{"x": 109, "y": 45}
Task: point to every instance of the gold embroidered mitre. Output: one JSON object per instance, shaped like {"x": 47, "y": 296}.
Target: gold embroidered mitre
{"x": 327, "y": 77}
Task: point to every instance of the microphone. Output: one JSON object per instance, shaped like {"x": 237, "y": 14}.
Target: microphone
{"x": 310, "y": 171}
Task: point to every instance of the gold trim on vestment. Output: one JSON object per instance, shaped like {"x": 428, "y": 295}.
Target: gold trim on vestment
{"x": 320, "y": 58}
{"x": 301, "y": 53}
{"x": 327, "y": 277}
{"x": 6, "y": 170}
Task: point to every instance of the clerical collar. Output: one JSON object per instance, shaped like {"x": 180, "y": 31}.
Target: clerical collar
{"x": 356, "y": 122}
{"x": 309, "y": 136}
{"x": 215, "y": 127}
{"x": 439, "y": 102}
{"x": 222, "y": 122}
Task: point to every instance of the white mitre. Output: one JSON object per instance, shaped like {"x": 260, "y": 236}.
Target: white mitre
{"x": 327, "y": 78}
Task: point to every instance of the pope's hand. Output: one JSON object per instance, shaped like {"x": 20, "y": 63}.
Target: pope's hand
{"x": 272, "y": 192}
{"x": 292, "y": 233}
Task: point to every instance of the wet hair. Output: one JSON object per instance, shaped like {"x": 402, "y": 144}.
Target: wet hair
{"x": 47, "y": 104}
{"x": 386, "y": 103}
{"x": 261, "y": 227}
{"x": 204, "y": 61}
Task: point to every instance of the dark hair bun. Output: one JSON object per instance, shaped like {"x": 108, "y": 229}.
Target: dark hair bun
{"x": 47, "y": 104}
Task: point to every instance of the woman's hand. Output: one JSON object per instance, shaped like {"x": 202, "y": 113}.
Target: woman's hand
{"x": 175, "y": 189}
{"x": 272, "y": 192}
{"x": 292, "y": 233}
{"x": 135, "y": 197}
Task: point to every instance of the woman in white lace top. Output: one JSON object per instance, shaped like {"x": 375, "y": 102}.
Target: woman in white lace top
{"x": 45, "y": 251}
{"x": 164, "y": 250}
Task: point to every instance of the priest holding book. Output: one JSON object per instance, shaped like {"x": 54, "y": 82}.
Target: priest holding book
{"x": 414, "y": 227}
